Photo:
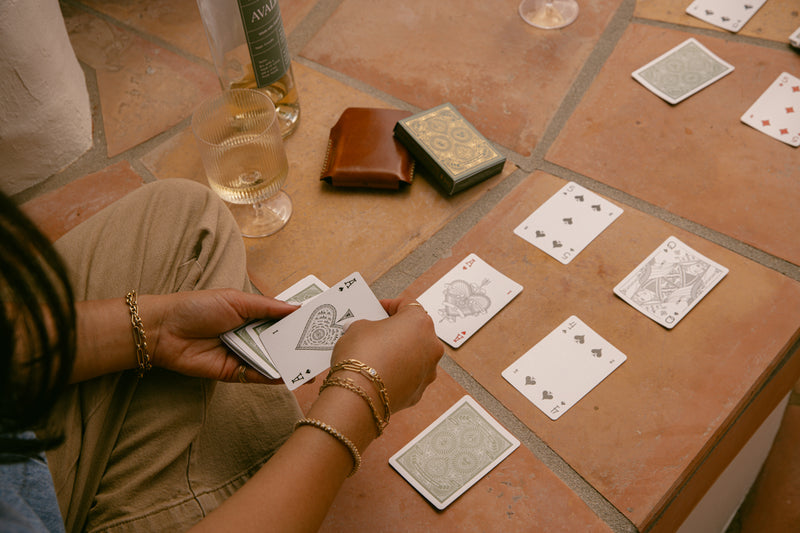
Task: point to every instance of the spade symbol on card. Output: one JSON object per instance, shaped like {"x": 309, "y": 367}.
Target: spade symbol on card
{"x": 579, "y": 339}
{"x": 540, "y": 233}
{"x": 579, "y": 197}
{"x": 748, "y": 6}
{"x": 725, "y": 19}
{"x": 709, "y": 12}
{"x": 557, "y": 244}
{"x": 596, "y": 207}
{"x": 597, "y": 352}
{"x": 529, "y": 380}
{"x": 321, "y": 331}
{"x": 567, "y": 221}
{"x": 547, "y": 395}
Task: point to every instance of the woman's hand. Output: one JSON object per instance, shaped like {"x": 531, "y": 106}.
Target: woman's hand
{"x": 403, "y": 349}
{"x": 186, "y": 339}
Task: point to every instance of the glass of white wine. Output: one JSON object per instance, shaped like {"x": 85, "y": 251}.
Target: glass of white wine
{"x": 240, "y": 142}
{"x": 548, "y": 14}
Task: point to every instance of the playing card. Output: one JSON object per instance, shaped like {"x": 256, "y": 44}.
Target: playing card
{"x": 683, "y": 71}
{"x": 454, "y": 452}
{"x": 244, "y": 341}
{"x": 794, "y": 38}
{"x": 466, "y": 298}
{"x": 567, "y": 222}
{"x": 670, "y": 282}
{"x": 777, "y": 111}
{"x": 731, "y": 15}
{"x": 563, "y": 367}
{"x": 301, "y": 344}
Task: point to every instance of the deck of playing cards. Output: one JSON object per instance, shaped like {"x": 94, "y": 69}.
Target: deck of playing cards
{"x": 670, "y": 282}
{"x": 301, "y": 344}
{"x": 683, "y": 71}
{"x": 244, "y": 341}
{"x": 453, "y": 453}
{"x": 731, "y": 15}
{"x": 466, "y": 298}
{"x": 567, "y": 222}
{"x": 563, "y": 367}
{"x": 777, "y": 111}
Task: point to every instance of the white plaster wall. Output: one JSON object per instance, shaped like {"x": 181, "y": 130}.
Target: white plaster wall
{"x": 45, "y": 115}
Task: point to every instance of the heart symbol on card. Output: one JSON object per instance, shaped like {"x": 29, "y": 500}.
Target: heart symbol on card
{"x": 546, "y": 395}
{"x": 540, "y": 233}
{"x": 529, "y": 380}
{"x": 597, "y": 352}
{"x": 567, "y": 221}
{"x": 579, "y": 339}
{"x": 321, "y": 331}
{"x": 557, "y": 244}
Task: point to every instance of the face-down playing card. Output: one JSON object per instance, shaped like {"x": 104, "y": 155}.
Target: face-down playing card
{"x": 670, "y": 282}
{"x": 563, "y": 367}
{"x": 682, "y": 71}
{"x": 454, "y": 452}
{"x": 567, "y": 222}
{"x": 301, "y": 344}
{"x": 777, "y": 111}
{"x": 466, "y": 298}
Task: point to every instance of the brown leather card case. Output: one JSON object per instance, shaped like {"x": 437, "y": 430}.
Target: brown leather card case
{"x": 363, "y": 152}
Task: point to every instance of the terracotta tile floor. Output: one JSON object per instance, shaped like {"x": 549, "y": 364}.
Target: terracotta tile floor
{"x": 641, "y": 449}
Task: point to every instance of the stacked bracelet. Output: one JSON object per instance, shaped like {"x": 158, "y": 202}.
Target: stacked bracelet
{"x": 345, "y": 383}
{"x": 370, "y": 373}
{"x": 338, "y": 436}
{"x": 139, "y": 337}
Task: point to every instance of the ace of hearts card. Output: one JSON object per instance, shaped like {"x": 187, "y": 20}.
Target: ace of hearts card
{"x": 466, "y": 298}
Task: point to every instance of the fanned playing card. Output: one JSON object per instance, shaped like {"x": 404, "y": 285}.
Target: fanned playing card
{"x": 683, "y": 71}
{"x": 454, "y": 452}
{"x": 244, "y": 341}
{"x": 301, "y": 344}
{"x": 567, "y": 222}
{"x": 466, "y": 298}
{"x": 563, "y": 367}
{"x": 777, "y": 111}
{"x": 670, "y": 282}
{"x": 731, "y": 15}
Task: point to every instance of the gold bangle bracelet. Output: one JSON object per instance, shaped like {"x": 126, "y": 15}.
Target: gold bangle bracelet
{"x": 139, "y": 337}
{"x": 370, "y": 373}
{"x": 350, "y": 385}
{"x": 338, "y": 436}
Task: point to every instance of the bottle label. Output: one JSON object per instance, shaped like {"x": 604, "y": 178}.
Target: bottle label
{"x": 266, "y": 40}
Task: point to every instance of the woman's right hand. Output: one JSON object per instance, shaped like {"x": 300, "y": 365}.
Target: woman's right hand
{"x": 403, "y": 349}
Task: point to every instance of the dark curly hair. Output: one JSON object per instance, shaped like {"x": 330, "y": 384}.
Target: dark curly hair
{"x": 37, "y": 331}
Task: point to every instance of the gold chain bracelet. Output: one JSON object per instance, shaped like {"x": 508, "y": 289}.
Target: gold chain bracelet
{"x": 139, "y": 337}
{"x": 350, "y": 385}
{"x": 370, "y": 373}
{"x": 338, "y": 436}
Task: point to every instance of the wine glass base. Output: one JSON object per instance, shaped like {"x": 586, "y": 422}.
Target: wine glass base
{"x": 263, "y": 218}
{"x": 548, "y": 14}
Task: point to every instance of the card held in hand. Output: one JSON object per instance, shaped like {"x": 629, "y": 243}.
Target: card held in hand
{"x": 670, "y": 282}
{"x": 567, "y": 222}
{"x": 454, "y": 452}
{"x": 466, "y": 298}
{"x": 683, "y": 71}
{"x": 563, "y": 367}
{"x": 301, "y": 344}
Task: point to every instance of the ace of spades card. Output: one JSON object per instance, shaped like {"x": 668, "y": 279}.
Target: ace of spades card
{"x": 466, "y": 298}
{"x": 670, "y": 282}
{"x": 563, "y": 367}
{"x": 567, "y": 222}
{"x": 301, "y": 344}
